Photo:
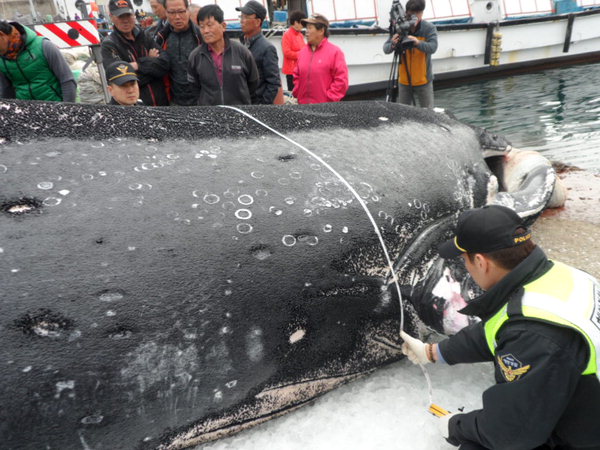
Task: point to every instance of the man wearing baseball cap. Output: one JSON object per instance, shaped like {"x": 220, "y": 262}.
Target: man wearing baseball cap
{"x": 253, "y": 14}
{"x": 540, "y": 325}
{"x": 127, "y": 42}
{"x": 123, "y": 84}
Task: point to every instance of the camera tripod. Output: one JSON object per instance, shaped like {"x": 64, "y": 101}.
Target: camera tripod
{"x": 391, "y": 93}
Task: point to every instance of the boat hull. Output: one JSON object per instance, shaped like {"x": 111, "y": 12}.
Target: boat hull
{"x": 463, "y": 52}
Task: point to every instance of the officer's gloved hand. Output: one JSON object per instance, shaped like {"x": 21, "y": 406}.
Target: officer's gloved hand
{"x": 444, "y": 425}
{"x": 414, "y": 349}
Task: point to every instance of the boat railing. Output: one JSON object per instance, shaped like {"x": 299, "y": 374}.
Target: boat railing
{"x": 374, "y": 14}
{"x": 589, "y": 4}
{"x": 338, "y": 11}
{"x": 518, "y": 8}
{"x": 448, "y": 11}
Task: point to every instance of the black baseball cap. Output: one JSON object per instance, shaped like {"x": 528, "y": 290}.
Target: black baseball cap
{"x": 253, "y": 7}
{"x": 484, "y": 230}
{"x": 120, "y": 72}
{"x": 120, "y": 7}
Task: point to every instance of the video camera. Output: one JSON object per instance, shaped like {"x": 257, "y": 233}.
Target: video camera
{"x": 400, "y": 24}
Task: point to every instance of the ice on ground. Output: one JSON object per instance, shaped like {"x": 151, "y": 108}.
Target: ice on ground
{"x": 386, "y": 410}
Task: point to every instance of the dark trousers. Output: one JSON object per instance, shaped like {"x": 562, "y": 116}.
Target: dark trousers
{"x": 290, "y": 82}
{"x": 474, "y": 446}
{"x": 471, "y": 446}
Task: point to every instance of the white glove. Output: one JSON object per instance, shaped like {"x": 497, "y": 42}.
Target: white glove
{"x": 414, "y": 349}
{"x": 444, "y": 425}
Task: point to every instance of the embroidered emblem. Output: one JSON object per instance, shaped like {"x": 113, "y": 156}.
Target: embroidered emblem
{"x": 122, "y": 68}
{"x": 512, "y": 368}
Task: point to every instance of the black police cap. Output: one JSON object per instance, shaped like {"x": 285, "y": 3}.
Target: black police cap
{"x": 484, "y": 230}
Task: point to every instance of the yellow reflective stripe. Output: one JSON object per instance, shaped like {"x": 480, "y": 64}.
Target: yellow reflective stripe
{"x": 560, "y": 285}
{"x": 565, "y": 284}
{"x": 542, "y": 314}
{"x": 555, "y": 291}
{"x": 492, "y": 326}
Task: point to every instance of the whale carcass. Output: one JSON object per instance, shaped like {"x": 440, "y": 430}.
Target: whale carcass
{"x": 171, "y": 276}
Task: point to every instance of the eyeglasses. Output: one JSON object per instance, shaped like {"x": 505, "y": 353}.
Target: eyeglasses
{"x": 181, "y": 12}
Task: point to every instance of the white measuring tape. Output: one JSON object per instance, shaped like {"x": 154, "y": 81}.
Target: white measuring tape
{"x": 364, "y": 206}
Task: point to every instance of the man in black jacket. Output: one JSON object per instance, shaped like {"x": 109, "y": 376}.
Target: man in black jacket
{"x": 221, "y": 71}
{"x": 129, "y": 43}
{"x": 265, "y": 54}
{"x": 158, "y": 8}
{"x": 178, "y": 38}
{"x": 540, "y": 324}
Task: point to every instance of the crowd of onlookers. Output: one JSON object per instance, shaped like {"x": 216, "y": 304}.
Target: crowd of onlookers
{"x": 186, "y": 58}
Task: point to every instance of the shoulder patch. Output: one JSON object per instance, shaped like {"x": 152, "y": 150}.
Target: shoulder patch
{"x": 512, "y": 368}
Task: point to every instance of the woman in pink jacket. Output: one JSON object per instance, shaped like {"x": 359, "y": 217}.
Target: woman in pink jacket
{"x": 321, "y": 74}
{"x": 291, "y": 43}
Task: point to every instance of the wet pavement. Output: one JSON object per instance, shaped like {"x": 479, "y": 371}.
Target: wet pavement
{"x": 572, "y": 234}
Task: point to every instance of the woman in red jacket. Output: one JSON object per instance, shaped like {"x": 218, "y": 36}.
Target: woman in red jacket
{"x": 321, "y": 74}
{"x": 292, "y": 42}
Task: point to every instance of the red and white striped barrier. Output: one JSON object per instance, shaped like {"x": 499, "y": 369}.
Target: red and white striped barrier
{"x": 76, "y": 33}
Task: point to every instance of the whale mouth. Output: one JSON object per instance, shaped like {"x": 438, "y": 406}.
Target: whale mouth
{"x": 268, "y": 404}
{"x": 275, "y": 400}
{"x": 492, "y": 152}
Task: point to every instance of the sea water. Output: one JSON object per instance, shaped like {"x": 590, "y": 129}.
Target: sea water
{"x": 556, "y": 112}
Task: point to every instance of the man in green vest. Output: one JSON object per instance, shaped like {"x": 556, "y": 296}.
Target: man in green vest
{"x": 31, "y": 67}
{"x": 540, "y": 325}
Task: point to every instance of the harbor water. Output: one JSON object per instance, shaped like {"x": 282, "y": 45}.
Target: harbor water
{"x": 556, "y": 112}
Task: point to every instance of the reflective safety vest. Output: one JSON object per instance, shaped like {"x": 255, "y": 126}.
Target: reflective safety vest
{"x": 563, "y": 296}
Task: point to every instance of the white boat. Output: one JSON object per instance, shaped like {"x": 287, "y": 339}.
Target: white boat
{"x": 529, "y": 34}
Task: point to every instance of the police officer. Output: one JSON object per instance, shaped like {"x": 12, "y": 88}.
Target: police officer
{"x": 123, "y": 84}
{"x": 540, "y": 324}
{"x": 127, "y": 42}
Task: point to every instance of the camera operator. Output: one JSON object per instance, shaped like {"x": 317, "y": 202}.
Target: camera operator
{"x": 416, "y": 48}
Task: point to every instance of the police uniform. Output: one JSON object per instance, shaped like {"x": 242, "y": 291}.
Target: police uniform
{"x": 541, "y": 328}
